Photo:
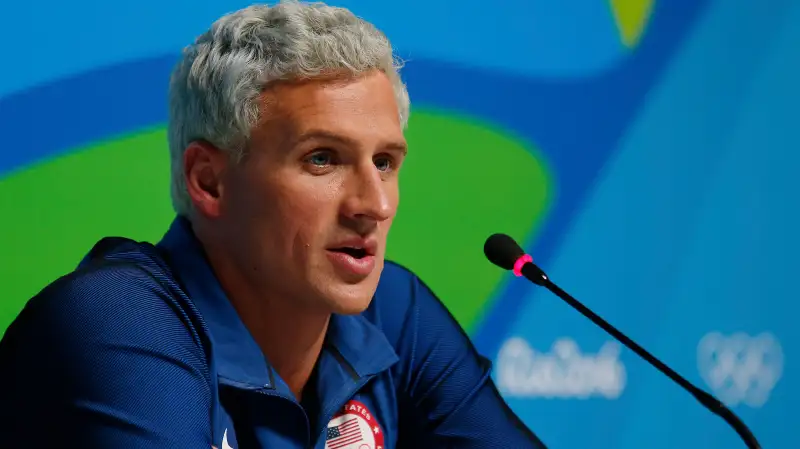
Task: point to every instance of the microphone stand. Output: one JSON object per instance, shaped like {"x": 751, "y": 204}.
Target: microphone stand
{"x": 535, "y": 274}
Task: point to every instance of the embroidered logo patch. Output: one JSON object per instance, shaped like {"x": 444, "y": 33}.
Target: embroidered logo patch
{"x": 354, "y": 427}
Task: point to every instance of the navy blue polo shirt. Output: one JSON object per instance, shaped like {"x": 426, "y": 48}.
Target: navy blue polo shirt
{"x": 140, "y": 348}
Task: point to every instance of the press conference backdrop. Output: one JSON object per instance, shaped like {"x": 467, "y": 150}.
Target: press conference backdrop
{"x": 643, "y": 150}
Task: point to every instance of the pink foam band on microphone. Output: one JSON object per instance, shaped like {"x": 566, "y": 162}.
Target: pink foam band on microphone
{"x": 523, "y": 259}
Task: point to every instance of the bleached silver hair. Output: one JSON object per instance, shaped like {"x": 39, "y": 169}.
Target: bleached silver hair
{"x": 215, "y": 86}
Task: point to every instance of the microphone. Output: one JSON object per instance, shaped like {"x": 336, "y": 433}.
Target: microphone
{"x": 504, "y": 252}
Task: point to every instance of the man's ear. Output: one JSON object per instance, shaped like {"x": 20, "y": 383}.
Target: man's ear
{"x": 204, "y": 166}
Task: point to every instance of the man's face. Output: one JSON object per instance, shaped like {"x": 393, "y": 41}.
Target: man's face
{"x": 308, "y": 211}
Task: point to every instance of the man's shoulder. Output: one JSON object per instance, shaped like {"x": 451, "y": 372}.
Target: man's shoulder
{"x": 101, "y": 348}
{"x": 399, "y": 288}
{"x": 112, "y": 296}
{"x": 400, "y": 292}
{"x": 117, "y": 281}
{"x": 396, "y": 280}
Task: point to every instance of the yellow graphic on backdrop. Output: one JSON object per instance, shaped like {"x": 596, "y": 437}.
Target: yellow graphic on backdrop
{"x": 631, "y": 17}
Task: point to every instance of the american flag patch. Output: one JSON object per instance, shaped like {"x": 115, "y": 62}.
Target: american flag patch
{"x": 345, "y": 434}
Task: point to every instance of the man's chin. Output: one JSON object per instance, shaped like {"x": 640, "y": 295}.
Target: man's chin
{"x": 346, "y": 299}
{"x": 352, "y": 302}
{"x": 346, "y": 296}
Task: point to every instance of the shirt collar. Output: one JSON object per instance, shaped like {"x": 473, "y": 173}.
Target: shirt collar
{"x": 238, "y": 358}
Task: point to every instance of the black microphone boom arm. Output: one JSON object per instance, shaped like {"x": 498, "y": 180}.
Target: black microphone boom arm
{"x": 505, "y": 253}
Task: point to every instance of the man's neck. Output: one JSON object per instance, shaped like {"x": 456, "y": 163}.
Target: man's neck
{"x": 291, "y": 339}
{"x": 289, "y": 334}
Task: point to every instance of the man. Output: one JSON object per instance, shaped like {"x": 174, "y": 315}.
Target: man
{"x": 266, "y": 317}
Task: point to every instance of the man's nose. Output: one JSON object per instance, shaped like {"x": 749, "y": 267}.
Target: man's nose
{"x": 369, "y": 196}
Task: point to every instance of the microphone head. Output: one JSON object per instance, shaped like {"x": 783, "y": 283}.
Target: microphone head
{"x": 502, "y": 251}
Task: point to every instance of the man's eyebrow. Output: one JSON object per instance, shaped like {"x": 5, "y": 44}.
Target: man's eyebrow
{"x": 321, "y": 134}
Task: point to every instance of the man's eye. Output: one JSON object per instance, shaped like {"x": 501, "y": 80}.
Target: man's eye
{"x": 384, "y": 163}
{"x": 320, "y": 158}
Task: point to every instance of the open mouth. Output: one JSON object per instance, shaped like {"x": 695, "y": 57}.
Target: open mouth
{"x": 356, "y": 253}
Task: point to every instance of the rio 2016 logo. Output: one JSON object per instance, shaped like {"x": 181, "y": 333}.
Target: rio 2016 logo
{"x": 565, "y": 372}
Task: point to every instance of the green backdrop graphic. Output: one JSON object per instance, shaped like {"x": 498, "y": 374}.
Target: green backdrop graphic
{"x": 484, "y": 169}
